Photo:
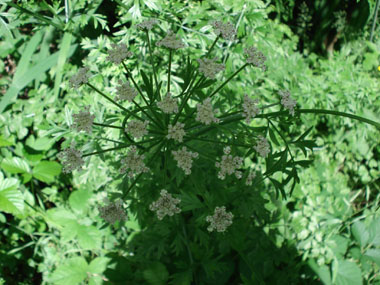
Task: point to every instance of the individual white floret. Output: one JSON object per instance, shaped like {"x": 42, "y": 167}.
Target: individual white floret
{"x": 80, "y": 78}
{"x": 137, "y": 128}
{"x": 184, "y": 159}
{"x": 118, "y": 53}
{"x": 125, "y": 92}
{"x": 220, "y": 221}
{"x": 170, "y": 41}
{"x": 229, "y": 164}
{"x": 134, "y": 162}
{"x": 255, "y": 57}
{"x": 112, "y": 212}
{"x": 176, "y": 132}
{"x": 209, "y": 67}
{"x": 287, "y": 102}
{"x": 71, "y": 158}
{"x": 165, "y": 205}
{"x": 227, "y": 31}
{"x": 147, "y": 24}
{"x": 205, "y": 114}
{"x": 262, "y": 146}
{"x": 83, "y": 120}
{"x": 250, "y": 110}
{"x": 168, "y": 104}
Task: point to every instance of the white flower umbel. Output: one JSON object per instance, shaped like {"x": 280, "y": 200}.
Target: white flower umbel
{"x": 229, "y": 164}
{"x": 250, "y": 177}
{"x": 262, "y": 146}
{"x": 165, "y": 205}
{"x": 176, "y": 132}
{"x": 83, "y": 120}
{"x": 220, "y": 221}
{"x": 118, "y": 53}
{"x": 250, "y": 110}
{"x": 71, "y": 158}
{"x": 209, "y": 67}
{"x": 170, "y": 41}
{"x": 147, "y": 24}
{"x": 205, "y": 114}
{"x": 169, "y": 104}
{"x": 137, "y": 128}
{"x": 287, "y": 102}
{"x": 255, "y": 57}
{"x": 125, "y": 92}
{"x": 112, "y": 212}
{"x": 227, "y": 30}
{"x": 134, "y": 162}
{"x": 184, "y": 159}
{"x": 80, "y": 78}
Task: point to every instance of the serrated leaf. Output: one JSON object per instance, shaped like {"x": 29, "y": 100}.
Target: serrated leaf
{"x": 374, "y": 254}
{"x": 98, "y": 265}
{"x": 15, "y": 165}
{"x": 89, "y": 237}
{"x": 374, "y": 232}
{"x": 73, "y": 272}
{"x": 45, "y": 171}
{"x": 78, "y": 199}
{"x": 11, "y": 199}
{"x": 157, "y": 274}
{"x": 360, "y": 233}
{"x": 322, "y": 271}
{"x": 39, "y": 143}
{"x": 148, "y": 85}
{"x": 59, "y": 216}
{"x": 348, "y": 273}
{"x": 190, "y": 201}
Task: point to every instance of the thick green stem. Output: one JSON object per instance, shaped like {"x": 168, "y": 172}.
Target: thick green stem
{"x": 108, "y": 126}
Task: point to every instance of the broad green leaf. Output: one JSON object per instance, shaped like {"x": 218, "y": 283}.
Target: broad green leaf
{"x": 98, "y": 265}
{"x": 73, "y": 271}
{"x": 323, "y": 271}
{"x": 374, "y": 254}
{"x": 62, "y": 58}
{"x": 43, "y": 143}
{"x": 348, "y": 273}
{"x": 157, "y": 274}
{"x": 59, "y": 217}
{"x": 78, "y": 199}
{"x": 360, "y": 233}
{"x": 374, "y": 232}
{"x": 45, "y": 171}
{"x": 11, "y": 198}
{"x": 89, "y": 237}
{"x": 5, "y": 142}
{"x": 15, "y": 165}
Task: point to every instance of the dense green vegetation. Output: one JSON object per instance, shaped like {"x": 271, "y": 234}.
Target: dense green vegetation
{"x": 311, "y": 214}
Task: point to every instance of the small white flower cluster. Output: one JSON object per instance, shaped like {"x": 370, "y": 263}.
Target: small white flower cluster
{"x": 220, "y": 221}
{"x": 250, "y": 177}
{"x": 169, "y": 104}
{"x": 118, "y": 53}
{"x": 137, "y": 128}
{"x": 73, "y": 158}
{"x": 134, "y": 161}
{"x": 262, "y": 146}
{"x": 287, "y": 102}
{"x": 250, "y": 110}
{"x": 147, "y": 24}
{"x": 125, "y": 92}
{"x": 205, "y": 113}
{"x": 229, "y": 164}
{"x": 165, "y": 205}
{"x": 170, "y": 41}
{"x": 80, "y": 78}
{"x": 176, "y": 132}
{"x": 83, "y": 120}
{"x": 112, "y": 212}
{"x": 227, "y": 30}
{"x": 184, "y": 159}
{"x": 255, "y": 57}
{"x": 209, "y": 67}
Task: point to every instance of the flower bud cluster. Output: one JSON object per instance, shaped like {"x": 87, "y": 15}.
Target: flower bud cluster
{"x": 125, "y": 92}
{"x": 229, "y": 164}
{"x": 209, "y": 67}
{"x": 147, "y": 24}
{"x": 137, "y": 128}
{"x": 80, "y": 78}
{"x": 133, "y": 161}
{"x": 250, "y": 177}
{"x": 118, "y": 53}
{"x": 112, "y": 212}
{"x": 287, "y": 102}
{"x": 205, "y": 113}
{"x": 255, "y": 57}
{"x": 176, "y": 132}
{"x": 169, "y": 104}
{"x": 220, "y": 221}
{"x": 71, "y": 158}
{"x": 165, "y": 205}
{"x": 227, "y": 30}
{"x": 184, "y": 159}
{"x": 170, "y": 41}
{"x": 250, "y": 110}
{"x": 83, "y": 120}
{"x": 262, "y": 146}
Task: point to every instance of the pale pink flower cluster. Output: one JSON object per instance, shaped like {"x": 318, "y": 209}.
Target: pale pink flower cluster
{"x": 250, "y": 177}
{"x": 184, "y": 159}
{"x": 137, "y": 128}
{"x": 112, "y": 212}
{"x": 165, "y": 205}
{"x": 205, "y": 114}
{"x": 176, "y": 132}
{"x": 83, "y": 120}
{"x": 250, "y": 110}
{"x": 170, "y": 41}
{"x": 169, "y": 104}
{"x": 262, "y": 146}
{"x": 80, "y": 78}
{"x": 255, "y": 57}
{"x": 287, "y": 102}
{"x": 229, "y": 164}
{"x": 209, "y": 67}
{"x": 220, "y": 221}
{"x": 227, "y": 30}
{"x": 71, "y": 158}
{"x": 134, "y": 162}
{"x": 125, "y": 92}
{"x": 118, "y": 53}
{"x": 147, "y": 24}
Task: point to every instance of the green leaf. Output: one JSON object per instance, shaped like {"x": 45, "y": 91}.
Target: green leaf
{"x": 273, "y": 137}
{"x": 98, "y": 265}
{"x": 5, "y": 142}
{"x": 360, "y": 233}
{"x": 157, "y": 274}
{"x": 374, "y": 254}
{"x": 15, "y": 165}
{"x": 190, "y": 201}
{"x": 89, "y": 237}
{"x": 73, "y": 271}
{"x": 374, "y": 232}
{"x": 43, "y": 143}
{"x": 59, "y": 217}
{"x": 323, "y": 271}
{"x": 11, "y": 199}
{"x": 148, "y": 85}
{"x": 304, "y": 134}
{"x": 62, "y": 59}
{"x": 45, "y": 171}
{"x": 78, "y": 199}
{"x": 348, "y": 273}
